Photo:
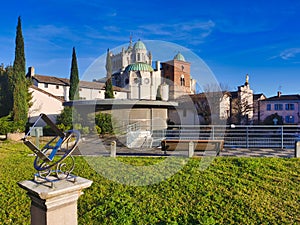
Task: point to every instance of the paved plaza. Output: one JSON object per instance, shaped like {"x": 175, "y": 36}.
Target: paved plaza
{"x": 102, "y": 147}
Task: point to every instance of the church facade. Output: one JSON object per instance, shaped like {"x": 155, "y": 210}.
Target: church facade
{"x": 132, "y": 69}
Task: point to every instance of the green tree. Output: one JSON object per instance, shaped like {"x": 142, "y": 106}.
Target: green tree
{"x": 109, "y": 93}
{"x": 6, "y": 95}
{"x": 19, "y": 83}
{"x": 74, "y": 78}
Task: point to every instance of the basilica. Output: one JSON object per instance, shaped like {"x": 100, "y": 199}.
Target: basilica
{"x": 133, "y": 70}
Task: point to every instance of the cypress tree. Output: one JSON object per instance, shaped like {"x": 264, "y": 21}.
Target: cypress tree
{"x": 18, "y": 82}
{"x": 109, "y": 93}
{"x": 74, "y": 78}
{"x": 6, "y": 94}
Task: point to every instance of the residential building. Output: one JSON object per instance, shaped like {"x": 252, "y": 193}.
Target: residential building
{"x": 232, "y": 107}
{"x": 44, "y": 102}
{"x": 212, "y": 107}
{"x": 59, "y": 87}
{"x": 257, "y": 98}
{"x": 286, "y": 106}
{"x": 49, "y": 93}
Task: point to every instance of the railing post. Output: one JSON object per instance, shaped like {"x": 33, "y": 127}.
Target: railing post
{"x": 113, "y": 149}
{"x": 281, "y": 137}
{"x": 247, "y": 137}
{"x": 191, "y": 149}
{"x": 213, "y": 132}
{"x": 297, "y": 149}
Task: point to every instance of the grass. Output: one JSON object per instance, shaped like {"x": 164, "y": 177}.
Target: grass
{"x": 230, "y": 191}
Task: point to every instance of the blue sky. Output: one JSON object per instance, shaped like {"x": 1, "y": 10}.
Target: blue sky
{"x": 234, "y": 38}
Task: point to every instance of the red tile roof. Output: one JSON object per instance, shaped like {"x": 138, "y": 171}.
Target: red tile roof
{"x": 283, "y": 98}
{"x": 66, "y": 82}
{"x": 51, "y": 80}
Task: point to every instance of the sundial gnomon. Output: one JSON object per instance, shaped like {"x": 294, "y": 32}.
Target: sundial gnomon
{"x": 55, "y": 158}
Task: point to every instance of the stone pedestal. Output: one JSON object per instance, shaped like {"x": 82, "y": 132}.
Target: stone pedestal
{"x": 55, "y": 205}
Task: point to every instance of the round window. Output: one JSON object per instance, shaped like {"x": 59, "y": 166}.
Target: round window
{"x": 146, "y": 80}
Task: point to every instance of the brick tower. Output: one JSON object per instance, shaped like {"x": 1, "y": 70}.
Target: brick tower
{"x": 176, "y": 73}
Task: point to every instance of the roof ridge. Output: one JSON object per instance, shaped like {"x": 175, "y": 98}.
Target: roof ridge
{"x": 48, "y": 93}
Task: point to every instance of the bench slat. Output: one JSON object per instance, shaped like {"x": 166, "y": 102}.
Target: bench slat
{"x": 199, "y": 145}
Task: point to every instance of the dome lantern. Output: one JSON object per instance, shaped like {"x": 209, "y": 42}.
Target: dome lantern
{"x": 139, "y": 45}
{"x": 179, "y": 57}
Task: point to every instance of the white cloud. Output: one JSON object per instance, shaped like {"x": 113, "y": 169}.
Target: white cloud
{"x": 289, "y": 53}
{"x": 97, "y": 34}
{"x": 48, "y": 31}
{"x": 50, "y": 36}
{"x": 198, "y": 25}
{"x": 112, "y": 14}
{"x": 194, "y": 31}
{"x": 112, "y": 28}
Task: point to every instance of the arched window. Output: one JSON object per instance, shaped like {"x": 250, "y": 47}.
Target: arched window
{"x": 182, "y": 82}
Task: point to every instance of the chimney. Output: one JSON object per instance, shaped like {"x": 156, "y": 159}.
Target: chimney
{"x": 30, "y": 72}
{"x": 157, "y": 65}
{"x": 278, "y": 93}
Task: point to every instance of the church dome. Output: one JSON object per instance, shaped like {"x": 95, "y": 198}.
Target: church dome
{"x": 139, "y": 66}
{"x": 139, "y": 45}
{"x": 179, "y": 57}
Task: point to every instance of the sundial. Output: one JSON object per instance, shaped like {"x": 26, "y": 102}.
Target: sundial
{"x": 54, "y": 159}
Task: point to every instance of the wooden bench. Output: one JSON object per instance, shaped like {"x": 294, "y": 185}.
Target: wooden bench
{"x": 199, "y": 145}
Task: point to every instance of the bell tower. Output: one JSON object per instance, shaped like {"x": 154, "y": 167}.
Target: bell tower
{"x": 177, "y": 74}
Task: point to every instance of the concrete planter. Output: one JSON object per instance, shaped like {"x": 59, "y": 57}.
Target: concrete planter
{"x": 15, "y": 136}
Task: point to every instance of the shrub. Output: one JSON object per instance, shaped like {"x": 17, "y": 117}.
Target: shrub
{"x": 104, "y": 123}
{"x": 68, "y": 118}
{"x": 6, "y": 125}
{"x": 65, "y": 118}
{"x": 85, "y": 130}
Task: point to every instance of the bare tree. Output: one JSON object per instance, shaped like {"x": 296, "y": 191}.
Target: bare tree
{"x": 241, "y": 110}
{"x": 208, "y": 103}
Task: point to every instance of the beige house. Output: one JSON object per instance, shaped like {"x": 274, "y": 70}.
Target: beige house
{"x": 212, "y": 106}
{"x": 50, "y": 92}
{"x": 44, "y": 102}
{"x": 59, "y": 87}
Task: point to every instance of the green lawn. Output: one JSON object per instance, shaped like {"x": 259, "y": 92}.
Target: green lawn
{"x": 230, "y": 191}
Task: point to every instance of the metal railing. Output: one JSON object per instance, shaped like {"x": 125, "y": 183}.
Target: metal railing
{"x": 236, "y": 136}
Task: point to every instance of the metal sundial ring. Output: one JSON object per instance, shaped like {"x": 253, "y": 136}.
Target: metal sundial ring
{"x": 55, "y": 157}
